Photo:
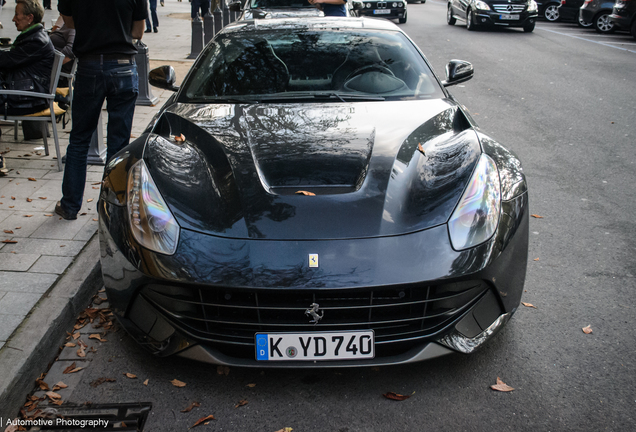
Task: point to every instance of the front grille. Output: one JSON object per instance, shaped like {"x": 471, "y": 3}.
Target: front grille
{"x": 509, "y": 8}
{"x": 233, "y": 316}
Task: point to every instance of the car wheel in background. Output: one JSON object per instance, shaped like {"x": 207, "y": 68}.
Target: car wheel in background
{"x": 470, "y": 21}
{"x": 551, "y": 13}
{"x": 582, "y": 23}
{"x": 450, "y": 19}
{"x": 603, "y": 24}
{"x": 528, "y": 28}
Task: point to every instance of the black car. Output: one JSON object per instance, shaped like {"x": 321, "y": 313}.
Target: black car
{"x": 562, "y": 10}
{"x": 313, "y": 196}
{"x": 384, "y": 9}
{"x": 624, "y": 15}
{"x": 597, "y": 13}
{"x": 481, "y": 13}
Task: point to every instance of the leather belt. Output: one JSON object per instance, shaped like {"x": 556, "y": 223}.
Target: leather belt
{"x": 107, "y": 57}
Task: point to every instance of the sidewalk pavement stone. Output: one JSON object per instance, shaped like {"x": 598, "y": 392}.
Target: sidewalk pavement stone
{"x": 51, "y": 264}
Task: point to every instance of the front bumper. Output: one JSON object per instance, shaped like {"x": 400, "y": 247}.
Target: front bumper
{"x": 135, "y": 280}
{"x": 494, "y": 18}
{"x": 393, "y": 13}
{"x": 622, "y": 22}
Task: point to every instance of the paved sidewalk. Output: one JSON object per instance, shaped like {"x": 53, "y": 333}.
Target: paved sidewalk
{"x": 49, "y": 267}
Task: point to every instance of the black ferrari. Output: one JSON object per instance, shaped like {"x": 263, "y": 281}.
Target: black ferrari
{"x": 312, "y": 196}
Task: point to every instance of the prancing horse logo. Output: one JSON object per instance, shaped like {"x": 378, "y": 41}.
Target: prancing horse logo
{"x": 313, "y": 310}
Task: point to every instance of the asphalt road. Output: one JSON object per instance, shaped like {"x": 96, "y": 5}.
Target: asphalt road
{"x": 563, "y": 99}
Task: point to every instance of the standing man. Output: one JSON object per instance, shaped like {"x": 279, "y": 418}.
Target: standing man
{"x": 155, "y": 18}
{"x": 106, "y": 70}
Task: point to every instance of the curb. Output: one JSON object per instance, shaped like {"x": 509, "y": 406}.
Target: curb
{"x": 37, "y": 341}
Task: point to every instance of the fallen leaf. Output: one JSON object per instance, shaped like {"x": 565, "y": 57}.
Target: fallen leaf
{"x": 98, "y": 337}
{"x": 28, "y": 215}
{"x": 251, "y": 385}
{"x": 536, "y": 216}
{"x": 9, "y": 241}
{"x": 146, "y": 382}
{"x": 95, "y": 219}
{"x": 536, "y": 259}
{"x": 177, "y": 383}
{"x": 95, "y": 187}
{"x": 501, "y": 386}
{"x": 83, "y": 214}
{"x": 192, "y": 405}
{"x": 57, "y": 402}
{"x": 202, "y": 420}
{"x": 100, "y": 381}
{"x": 306, "y": 193}
{"x": 179, "y": 138}
{"x": 129, "y": 375}
{"x": 29, "y": 200}
{"x": 70, "y": 344}
{"x": 396, "y": 396}
{"x": 587, "y": 330}
{"x": 8, "y": 231}
{"x": 241, "y": 403}
{"x": 96, "y": 183}
{"x": 223, "y": 370}
{"x": 72, "y": 369}
{"x": 53, "y": 395}
{"x": 89, "y": 200}
{"x": 42, "y": 384}
{"x": 59, "y": 385}
{"x": 42, "y": 198}
{"x": 81, "y": 351}
{"x": 528, "y": 305}
{"x": 48, "y": 214}
{"x": 75, "y": 335}
{"x": 31, "y": 178}
{"x": 13, "y": 198}
{"x": 286, "y": 429}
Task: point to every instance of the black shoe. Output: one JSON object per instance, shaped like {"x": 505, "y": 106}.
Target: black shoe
{"x": 148, "y": 31}
{"x": 3, "y": 167}
{"x": 156, "y": 30}
{"x": 64, "y": 213}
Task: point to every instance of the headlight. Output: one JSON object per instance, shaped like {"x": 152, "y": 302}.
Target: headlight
{"x": 476, "y": 217}
{"x": 481, "y": 5}
{"x": 151, "y": 222}
{"x": 532, "y": 6}
{"x": 394, "y": 4}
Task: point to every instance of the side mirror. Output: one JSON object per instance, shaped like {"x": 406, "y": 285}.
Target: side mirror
{"x": 458, "y": 71}
{"x": 357, "y": 5}
{"x": 235, "y": 6}
{"x": 163, "y": 77}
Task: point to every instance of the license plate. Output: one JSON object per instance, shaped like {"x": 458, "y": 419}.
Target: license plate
{"x": 508, "y": 17}
{"x": 381, "y": 11}
{"x": 315, "y": 346}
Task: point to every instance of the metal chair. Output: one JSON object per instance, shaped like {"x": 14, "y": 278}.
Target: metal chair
{"x": 47, "y": 115}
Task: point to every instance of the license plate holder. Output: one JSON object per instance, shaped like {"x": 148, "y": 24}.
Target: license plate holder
{"x": 509, "y": 17}
{"x": 315, "y": 346}
{"x": 381, "y": 11}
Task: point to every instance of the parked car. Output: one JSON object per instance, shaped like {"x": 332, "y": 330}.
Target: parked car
{"x": 597, "y": 13}
{"x": 481, "y": 13}
{"x": 562, "y": 10}
{"x": 311, "y": 196}
{"x": 384, "y": 9}
{"x": 624, "y": 15}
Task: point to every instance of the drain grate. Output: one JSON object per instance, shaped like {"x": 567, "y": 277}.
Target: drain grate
{"x": 102, "y": 417}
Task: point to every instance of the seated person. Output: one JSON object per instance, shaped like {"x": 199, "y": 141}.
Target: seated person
{"x": 27, "y": 65}
{"x": 63, "y": 38}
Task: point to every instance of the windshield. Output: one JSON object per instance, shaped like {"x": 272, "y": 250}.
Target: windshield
{"x": 272, "y": 4}
{"x": 284, "y": 65}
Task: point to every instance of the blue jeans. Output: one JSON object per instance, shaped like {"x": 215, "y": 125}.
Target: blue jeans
{"x": 203, "y": 5}
{"x": 153, "y": 13}
{"x": 96, "y": 81}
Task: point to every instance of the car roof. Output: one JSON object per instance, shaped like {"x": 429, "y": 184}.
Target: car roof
{"x": 310, "y": 23}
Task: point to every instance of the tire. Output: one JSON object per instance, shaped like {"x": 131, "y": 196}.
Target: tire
{"x": 551, "y": 12}
{"x": 528, "y": 28}
{"x": 450, "y": 19}
{"x": 402, "y": 20}
{"x": 602, "y": 23}
{"x": 582, "y": 23}
{"x": 470, "y": 21}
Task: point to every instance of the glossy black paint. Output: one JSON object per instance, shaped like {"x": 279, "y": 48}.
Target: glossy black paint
{"x": 492, "y": 17}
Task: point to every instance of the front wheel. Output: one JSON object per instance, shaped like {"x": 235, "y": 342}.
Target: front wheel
{"x": 602, "y": 23}
{"x": 528, "y": 28}
{"x": 470, "y": 21}
{"x": 551, "y": 13}
{"x": 450, "y": 19}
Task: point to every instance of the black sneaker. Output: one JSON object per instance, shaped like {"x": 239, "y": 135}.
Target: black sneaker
{"x": 64, "y": 213}
{"x": 148, "y": 31}
{"x": 156, "y": 30}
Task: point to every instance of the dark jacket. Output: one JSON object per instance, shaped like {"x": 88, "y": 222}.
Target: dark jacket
{"x": 27, "y": 66}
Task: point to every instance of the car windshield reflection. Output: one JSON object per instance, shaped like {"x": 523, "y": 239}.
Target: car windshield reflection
{"x": 382, "y": 65}
{"x": 273, "y": 4}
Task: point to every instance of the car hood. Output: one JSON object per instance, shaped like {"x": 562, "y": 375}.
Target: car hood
{"x": 312, "y": 171}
